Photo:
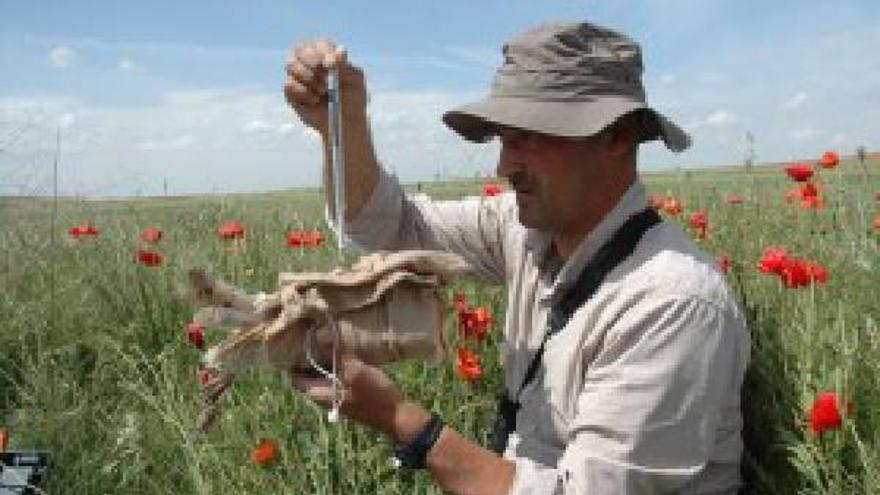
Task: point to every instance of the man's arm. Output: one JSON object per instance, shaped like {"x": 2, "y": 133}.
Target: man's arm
{"x": 378, "y": 214}
{"x": 306, "y": 92}
{"x": 458, "y": 465}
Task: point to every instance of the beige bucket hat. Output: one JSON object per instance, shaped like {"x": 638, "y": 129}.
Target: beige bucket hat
{"x": 565, "y": 79}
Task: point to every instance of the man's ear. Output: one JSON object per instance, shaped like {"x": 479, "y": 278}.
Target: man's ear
{"x": 622, "y": 142}
{"x": 624, "y": 135}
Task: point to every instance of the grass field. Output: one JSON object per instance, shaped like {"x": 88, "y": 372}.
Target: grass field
{"x": 96, "y": 369}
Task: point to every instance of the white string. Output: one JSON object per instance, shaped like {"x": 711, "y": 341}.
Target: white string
{"x": 332, "y": 375}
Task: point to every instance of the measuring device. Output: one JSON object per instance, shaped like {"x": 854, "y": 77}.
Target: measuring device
{"x": 334, "y": 108}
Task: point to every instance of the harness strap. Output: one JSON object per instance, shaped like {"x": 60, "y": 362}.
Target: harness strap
{"x": 612, "y": 253}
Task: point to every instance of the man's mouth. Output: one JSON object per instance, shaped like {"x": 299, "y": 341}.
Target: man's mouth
{"x": 521, "y": 184}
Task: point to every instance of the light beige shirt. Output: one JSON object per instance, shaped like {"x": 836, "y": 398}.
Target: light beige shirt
{"x": 640, "y": 391}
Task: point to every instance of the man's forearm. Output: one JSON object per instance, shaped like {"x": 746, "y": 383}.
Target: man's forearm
{"x": 361, "y": 167}
{"x": 458, "y": 465}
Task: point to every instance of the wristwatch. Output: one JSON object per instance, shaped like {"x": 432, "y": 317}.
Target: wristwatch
{"x": 413, "y": 455}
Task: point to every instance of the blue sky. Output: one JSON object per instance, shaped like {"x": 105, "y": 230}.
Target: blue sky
{"x": 190, "y": 92}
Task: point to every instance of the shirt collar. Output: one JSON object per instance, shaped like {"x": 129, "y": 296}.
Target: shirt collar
{"x": 633, "y": 201}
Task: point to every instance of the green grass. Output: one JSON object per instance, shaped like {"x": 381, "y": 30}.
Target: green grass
{"x": 95, "y": 367}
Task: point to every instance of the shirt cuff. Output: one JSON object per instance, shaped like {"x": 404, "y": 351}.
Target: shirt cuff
{"x": 532, "y": 478}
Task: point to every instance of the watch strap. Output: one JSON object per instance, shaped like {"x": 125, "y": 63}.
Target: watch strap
{"x": 413, "y": 455}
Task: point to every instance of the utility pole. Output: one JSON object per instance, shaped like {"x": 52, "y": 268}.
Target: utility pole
{"x": 750, "y": 150}
{"x": 53, "y": 224}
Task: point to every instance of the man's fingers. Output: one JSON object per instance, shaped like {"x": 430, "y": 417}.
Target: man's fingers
{"x": 336, "y": 57}
{"x": 298, "y": 93}
{"x": 317, "y": 388}
{"x": 311, "y": 54}
{"x": 311, "y": 77}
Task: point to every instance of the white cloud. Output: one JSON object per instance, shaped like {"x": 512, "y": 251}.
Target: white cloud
{"x": 253, "y": 141}
{"x": 804, "y": 133}
{"x": 256, "y": 126}
{"x": 250, "y": 140}
{"x": 840, "y": 139}
{"x": 715, "y": 119}
{"x": 795, "y": 101}
{"x": 127, "y": 65}
{"x": 834, "y": 97}
{"x": 712, "y": 77}
{"x": 63, "y": 57}
{"x": 311, "y": 135}
{"x": 66, "y": 120}
{"x": 720, "y": 118}
{"x": 286, "y": 128}
{"x": 176, "y": 143}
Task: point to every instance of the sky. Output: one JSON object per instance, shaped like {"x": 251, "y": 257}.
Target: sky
{"x": 144, "y": 98}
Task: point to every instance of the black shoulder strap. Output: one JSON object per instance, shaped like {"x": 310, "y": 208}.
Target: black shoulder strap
{"x": 618, "y": 248}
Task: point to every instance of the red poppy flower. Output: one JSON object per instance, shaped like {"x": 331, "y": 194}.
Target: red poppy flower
{"x": 800, "y": 172}
{"x": 295, "y": 238}
{"x": 829, "y": 159}
{"x": 809, "y": 194}
{"x": 723, "y": 263}
{"x": 813, "y": 202}
{"x": 795, "y": 274}
{"x": 773, "y": 260}
{"x": 810, "y": 190}
{"x": 801, "y": 273}
{"x": 4, "y": 440}
{"x": 149, "y": 258}
{"x": 460, "y": 302}
{"x": 672, "y": 206}
{"x": 464, "y": 320}
{"x": 699, "y": 221}
{"x": 206, "y": 375}
{"x": 825, "y": 414}
{"x": 818, "y": 273}
{"x": 492, "y": 189}
{"x": 79, "y": 231}
{"x": 469, "y": 365}
{"x": 479, "y": 323}
{"x": 877, "y": 223}
{"x": 152, "y": 235}
{"x": 299, "y": 238}
{"x": 735, "y": 199}
{"x": 315, "y": 238}
{"x": 656, "y": 202}
{"x": 195, "y": 335}
{"x": 231, "y": 230}
{"x": 265, "y": 453}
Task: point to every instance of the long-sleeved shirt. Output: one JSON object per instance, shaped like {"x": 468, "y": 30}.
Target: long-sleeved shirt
{"x": 640, "y": 391}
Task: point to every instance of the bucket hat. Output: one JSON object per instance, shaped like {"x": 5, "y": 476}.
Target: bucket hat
{"x": 566, "y": 79}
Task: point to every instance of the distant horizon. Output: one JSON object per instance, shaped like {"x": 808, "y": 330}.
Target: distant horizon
{"x": 874, "y": 155}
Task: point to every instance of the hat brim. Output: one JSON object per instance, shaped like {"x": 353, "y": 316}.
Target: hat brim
{"x": 478, "y": 121}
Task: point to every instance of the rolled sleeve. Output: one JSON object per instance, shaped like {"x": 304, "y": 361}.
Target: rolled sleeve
{"x": 532, "y": 478}
{"x": 474, "y": 228}
{"x": 377, "y": 224}
{"x": 648, "y": 414}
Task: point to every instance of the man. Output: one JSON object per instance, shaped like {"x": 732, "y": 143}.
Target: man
{"x": 637, "y": 389}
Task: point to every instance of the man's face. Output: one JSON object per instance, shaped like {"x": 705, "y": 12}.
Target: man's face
{"x": 551, "y": 176}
